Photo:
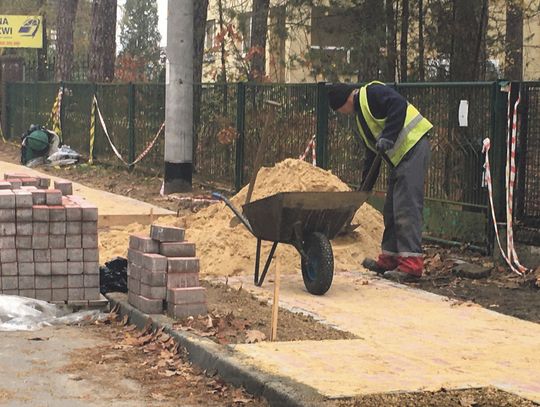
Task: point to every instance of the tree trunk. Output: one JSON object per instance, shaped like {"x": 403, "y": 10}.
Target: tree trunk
{"x": 421, "y": 62}
{"x": 103, "y": 41}
{"x": 67, "y": 10}
{"x": 42, "y": 55}
{"x": 404, "y": 40}
{"x": 222, "y": 47}
{"x": 391, "y": 50}
{"x": 464, "y": 63}
{"x": 259, "y": 29}
{"x": 513, "y": 60}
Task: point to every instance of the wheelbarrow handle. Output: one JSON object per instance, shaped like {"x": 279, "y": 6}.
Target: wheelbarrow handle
{"x": 227, "y": 202}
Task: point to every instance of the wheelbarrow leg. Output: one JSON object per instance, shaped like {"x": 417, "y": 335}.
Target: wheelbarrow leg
{"x": 258, "y": 282}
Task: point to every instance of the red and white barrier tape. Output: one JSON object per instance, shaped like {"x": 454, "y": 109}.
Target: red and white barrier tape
{"x": 313, "y": 147}
{"x": 510, "y": 256}
{"x": 510, "y": 184}
{"x": 115, "y": 150}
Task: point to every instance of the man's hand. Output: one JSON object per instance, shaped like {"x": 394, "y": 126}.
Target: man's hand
{"x": 383, "y": 145}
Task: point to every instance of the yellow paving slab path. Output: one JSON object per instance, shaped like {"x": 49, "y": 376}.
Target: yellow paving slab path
{"x": 409, "y": 340}
{"x": 114, "y": 210}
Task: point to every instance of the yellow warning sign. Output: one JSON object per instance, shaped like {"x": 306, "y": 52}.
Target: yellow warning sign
{"x": 21, "y": 31}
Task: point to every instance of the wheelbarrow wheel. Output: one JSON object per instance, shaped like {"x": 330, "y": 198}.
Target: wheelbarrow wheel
{"x": 318, "y": 268}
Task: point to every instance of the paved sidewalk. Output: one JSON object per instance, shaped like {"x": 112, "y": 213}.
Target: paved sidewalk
{"x": 409, "y": 340}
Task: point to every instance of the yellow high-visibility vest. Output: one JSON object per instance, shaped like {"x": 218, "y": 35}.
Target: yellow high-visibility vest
{"x": 414, "y": 127}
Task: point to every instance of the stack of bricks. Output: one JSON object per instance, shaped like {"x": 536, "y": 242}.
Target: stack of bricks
{"x": 48, "y": 241}
{"x": 163, "y": 271}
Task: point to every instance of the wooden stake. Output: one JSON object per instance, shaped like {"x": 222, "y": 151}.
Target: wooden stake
{"x": 275, "y": 304}
{"x": 151, "y": 216}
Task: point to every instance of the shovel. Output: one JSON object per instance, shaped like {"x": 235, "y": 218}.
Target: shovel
{"x": 367, "y": 186}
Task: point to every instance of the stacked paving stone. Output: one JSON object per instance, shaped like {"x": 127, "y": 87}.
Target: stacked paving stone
{"x": 48, "y": 241}
{"x": 163, "y": 271}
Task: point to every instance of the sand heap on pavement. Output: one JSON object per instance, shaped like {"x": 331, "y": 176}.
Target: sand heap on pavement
{"x": 225, "y": 247}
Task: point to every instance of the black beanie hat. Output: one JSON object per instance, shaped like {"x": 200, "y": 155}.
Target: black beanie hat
{"x": 338, "y": 94}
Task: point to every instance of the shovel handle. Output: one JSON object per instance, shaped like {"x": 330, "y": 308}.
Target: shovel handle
{"x": 372, "y": 174}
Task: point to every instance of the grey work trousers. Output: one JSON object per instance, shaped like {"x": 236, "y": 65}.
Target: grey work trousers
{"x": 404, "y": 203}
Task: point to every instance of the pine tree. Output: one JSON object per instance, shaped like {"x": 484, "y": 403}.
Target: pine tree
{"x": 139, "y": 37}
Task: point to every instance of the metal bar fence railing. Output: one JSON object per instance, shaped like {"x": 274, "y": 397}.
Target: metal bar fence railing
{"x": 229, "y": 121}
{"x": 528, "y": 184}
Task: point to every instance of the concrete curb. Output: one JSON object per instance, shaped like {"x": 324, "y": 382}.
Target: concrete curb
{"x": 218, "y": 359}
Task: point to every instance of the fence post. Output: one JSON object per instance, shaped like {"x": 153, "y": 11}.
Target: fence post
{"x": 498, "y": 159}
{"x": 61, "y": 113}
{"x": 5, "y": 116}
{"x": 322, "y": 125}
{"x": 240, "y": 128}
{"x": 131, "y": 123}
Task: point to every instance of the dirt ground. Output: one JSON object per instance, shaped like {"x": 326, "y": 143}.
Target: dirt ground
{"x": 236, "y": 316}
{"x": 242, "y": 318}
{"x": 153, "y": 360}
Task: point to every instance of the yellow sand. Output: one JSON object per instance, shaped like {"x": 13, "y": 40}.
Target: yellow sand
{"x": 225, "y": 247}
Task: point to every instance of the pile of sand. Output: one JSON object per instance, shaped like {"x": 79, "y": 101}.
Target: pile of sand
{"x": 225, "y": 247}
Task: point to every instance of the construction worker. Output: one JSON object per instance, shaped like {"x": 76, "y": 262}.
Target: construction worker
{"x": 390, "y": 126}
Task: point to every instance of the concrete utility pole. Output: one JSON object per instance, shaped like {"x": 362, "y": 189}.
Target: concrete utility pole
{"x": 179, "y": 97}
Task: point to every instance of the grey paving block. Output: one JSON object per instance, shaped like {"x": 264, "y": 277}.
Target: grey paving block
{"x": 89, "y": 227}
{"x": 40, "y": 241}
{"x": 73, "y": 241}
{"x": 26, "y": 269}
{"x": 42, "y": 269}
{"x": 75, "y": 267}
{"x": 40, "y": 213}
{"x": 24, "y": 214}
{"x": 8, "y": 256}
{"x": 7, "y": 215}
{"x": 53, "y": 197}
{"x": 59, "y": 255}
{"x": 57, "y": 213}
{"x": 23, "y": 242}
{"x": 91, "y": 255}
{"x": 183, "y": 264}
{"x": 166, "y": 233}
{"x": 57, "y": 228}
{"x": 24, "y": 228}
{"x": 57, "y": 241}
{"x": 39, "y": 197}
{"x": 23, "y": 199}
{"x": 74, "y": 254}
{"x": 177, "y": 249}
{"x": 7, "y": 199}
{"x": 8, "y": 229}
{"x": 59, "y": 268}
{"x": 90, "y": 241}
{"x": 42, "y": 255}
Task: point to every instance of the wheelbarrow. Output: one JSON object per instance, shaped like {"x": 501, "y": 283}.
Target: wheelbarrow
{"x": 306, "y": 220}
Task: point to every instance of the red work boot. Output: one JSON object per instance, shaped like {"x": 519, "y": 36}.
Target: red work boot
{"x": 384, "y": 263}
{"x": 409, "y": 270}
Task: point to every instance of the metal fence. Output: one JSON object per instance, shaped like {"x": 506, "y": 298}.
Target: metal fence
{"x": 230, "y": 119}
{"x": 528, "y": 181}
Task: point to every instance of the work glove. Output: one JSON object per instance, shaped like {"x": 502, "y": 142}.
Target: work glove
{"x": 383, "y": 145}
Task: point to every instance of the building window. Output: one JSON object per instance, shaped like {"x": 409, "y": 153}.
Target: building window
{"x": 210, "y": 35}
{"x": 244, "y": 26}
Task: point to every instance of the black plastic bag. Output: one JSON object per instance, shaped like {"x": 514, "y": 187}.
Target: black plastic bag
{"x": 113, "y": 276}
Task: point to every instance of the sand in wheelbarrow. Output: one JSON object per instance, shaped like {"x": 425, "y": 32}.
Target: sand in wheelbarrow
{"x": 226, "y": 247}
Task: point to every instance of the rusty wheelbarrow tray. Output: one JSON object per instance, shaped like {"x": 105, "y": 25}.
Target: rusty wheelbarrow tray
{"x": 306, "y": 220}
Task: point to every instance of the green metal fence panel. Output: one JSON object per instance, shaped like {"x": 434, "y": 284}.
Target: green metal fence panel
{"x": 149, "y": 115}
{"x": 27, "y": 104}
{"x": 113, "y": 101}
{"x": 76, "y": 105}
{"x": 289, "y": 126}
